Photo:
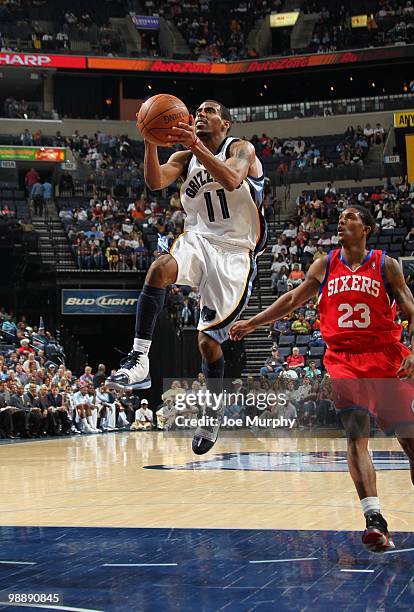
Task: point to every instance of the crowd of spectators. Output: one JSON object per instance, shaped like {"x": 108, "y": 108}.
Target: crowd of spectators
{"x": 306, "y": 402}
{"x": 297, "y": 342}
{"x": 389, "y": 22}
{"x": 14, "y": 108}
{"x": 313, "y": 232}
{"x": 121, "y": 235}
{"x": 213, "y": 30}
{"x": 46, "y": 25}
{"x": 300, "y": 155}
{"x": 40, "y": 396}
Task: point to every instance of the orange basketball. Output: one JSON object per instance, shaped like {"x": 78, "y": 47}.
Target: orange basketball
{"x": 158, "y": 115}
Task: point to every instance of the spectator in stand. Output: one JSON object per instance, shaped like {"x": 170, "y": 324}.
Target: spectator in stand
{"x": 112, "y": 255}
{"x": 47, "y": 191}
{"x": 26, "y": 138}
{"x": 99, "y": 377}
{"x": 301, "y": 326}
{"x": 37, "y": 197}
{"x": 289, "y": 373}
{"x": 84, "y": 409}
{"x": 143, "y": 417}
{"x": 273, "y": 365}
{"x": 106, "y": 405}
{"x": 30, "y": 179}
{"x": 279, "y": 328}
{"x": 297, "y": 276}
{"x": 311, "y": 371}
{"x": 369, "y": 133}
{"x": 186, "y": 314}
{"x": 379, "y": 134}
{"x": 387, "y": 222}
{"x": 87, "y": 377}
{"x": 296, "y": 361}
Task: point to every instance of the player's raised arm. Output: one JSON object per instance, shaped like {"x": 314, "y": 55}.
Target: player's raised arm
{"x": 159, "y": 176}
{"x": 286, "y": 303}
{"x": 229, "y": 173}
{"x": 405, "y": 301}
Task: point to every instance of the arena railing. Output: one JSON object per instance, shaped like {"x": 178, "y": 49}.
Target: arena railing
{"x": 338, "y": 173}
{"x": 322, "y": 108}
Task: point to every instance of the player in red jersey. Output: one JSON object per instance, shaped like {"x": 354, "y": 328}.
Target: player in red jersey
{"x": 364, "y": 357}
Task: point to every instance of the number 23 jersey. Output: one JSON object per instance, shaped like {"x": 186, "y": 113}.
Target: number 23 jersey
{"x": 356, "y": 307}
{"x": 228, "y": 218}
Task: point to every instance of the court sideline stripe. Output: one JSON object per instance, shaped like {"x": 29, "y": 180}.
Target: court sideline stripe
{"x": 17, "y": 563}
{"x": 49, "y": 607}
{"x": 282, "y": 560}
{"x": 363, "y": 571}
{"x": 393, "y": 552}
{"x": 138, "y": 564}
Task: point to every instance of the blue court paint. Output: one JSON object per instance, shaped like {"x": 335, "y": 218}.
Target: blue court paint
{"x": 297, "y": 461}
{"x": 213, "y": 570}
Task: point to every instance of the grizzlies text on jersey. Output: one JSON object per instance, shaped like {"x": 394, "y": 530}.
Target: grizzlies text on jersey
{"x": 230, "y": 218}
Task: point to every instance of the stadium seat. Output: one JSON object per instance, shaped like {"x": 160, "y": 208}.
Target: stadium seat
{"x": 302, "y": 340}
{"x": 400, "y": 231}
{"x": 286, "y": 340}
{"x": 284, "y": 351}
{"x": 316, "y": 351}
{"x": 303, "y": 350}
{"x": 384, "y": 239}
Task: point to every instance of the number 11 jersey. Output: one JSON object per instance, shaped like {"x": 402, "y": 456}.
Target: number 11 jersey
{"x": 231, "y": 218}
{"x": 356, "y": 307}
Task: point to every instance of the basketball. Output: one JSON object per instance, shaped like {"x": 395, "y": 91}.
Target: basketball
{"x": 158, "y": 115}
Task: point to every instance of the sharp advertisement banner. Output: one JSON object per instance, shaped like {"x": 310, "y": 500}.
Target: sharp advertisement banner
{"x": 99, "y": 301}
{"x": 38, "y": 60}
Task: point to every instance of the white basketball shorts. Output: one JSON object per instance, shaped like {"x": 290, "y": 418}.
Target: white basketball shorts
{"x": 223, "y": 276}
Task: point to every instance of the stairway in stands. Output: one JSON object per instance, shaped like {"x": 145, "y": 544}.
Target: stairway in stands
{"x": 257, "y": 345}
{"x": 53, "y": 242}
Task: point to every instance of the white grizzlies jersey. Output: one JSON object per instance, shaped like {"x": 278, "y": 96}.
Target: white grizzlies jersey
{"x": 232, "y": 218}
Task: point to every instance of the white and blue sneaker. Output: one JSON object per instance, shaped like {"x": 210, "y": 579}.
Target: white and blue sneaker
{"x": 205, "y": 437}
{"x": 132, "y": 374}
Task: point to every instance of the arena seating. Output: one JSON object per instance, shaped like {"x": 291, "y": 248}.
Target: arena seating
{"x": 13, "y": 198}
{"x": 214, "y": 30}
{"x": 61, "y": 26}
{"x": 388, "y": 24}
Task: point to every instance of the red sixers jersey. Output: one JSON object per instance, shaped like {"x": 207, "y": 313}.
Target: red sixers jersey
{"x": 356, "y": 308}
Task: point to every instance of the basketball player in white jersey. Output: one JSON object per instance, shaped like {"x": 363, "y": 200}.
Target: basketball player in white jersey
{"x": 224, "y": 231}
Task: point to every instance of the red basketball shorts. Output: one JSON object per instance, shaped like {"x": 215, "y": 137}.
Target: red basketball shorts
{"x": 368, "y": 381}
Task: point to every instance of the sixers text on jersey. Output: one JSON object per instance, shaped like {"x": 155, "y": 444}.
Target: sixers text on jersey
{"x": 356, "y": 307}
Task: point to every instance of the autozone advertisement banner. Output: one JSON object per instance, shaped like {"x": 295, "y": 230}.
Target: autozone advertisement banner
{"x": 294, "y": 62}
{"x": 41, "y": 154}
{"x": 99, "y": 301}
{"x": 250, "y": 66}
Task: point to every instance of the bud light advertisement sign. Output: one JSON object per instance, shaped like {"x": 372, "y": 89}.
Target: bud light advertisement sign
{"x": 99, "y": 301}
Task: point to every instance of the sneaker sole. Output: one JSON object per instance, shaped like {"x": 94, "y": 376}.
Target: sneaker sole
{"x": 145, "y": 384}
{"x": 377, "y": 542}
